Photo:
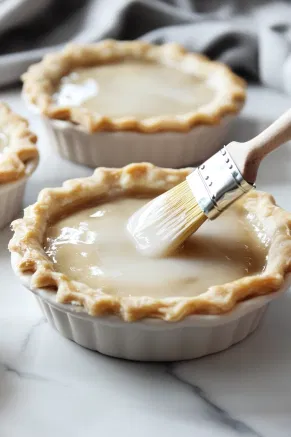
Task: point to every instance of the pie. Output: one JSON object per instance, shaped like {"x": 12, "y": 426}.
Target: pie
{"x": 116, "y": 102}
{"x": 73, "y": 241}
{"x": 17, "y": 146}
{"x": 135, "y": 86}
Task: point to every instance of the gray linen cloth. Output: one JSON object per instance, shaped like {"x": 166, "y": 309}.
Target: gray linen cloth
{"x": 252, "y": 37}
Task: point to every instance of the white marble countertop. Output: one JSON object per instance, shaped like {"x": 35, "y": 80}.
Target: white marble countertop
{"x": 50, "y": 386}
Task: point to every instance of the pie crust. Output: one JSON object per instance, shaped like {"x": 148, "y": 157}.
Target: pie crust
{"x": 42, "y": 79}
{"x": 20, "y": 147}
{"x": 29, "y": 233}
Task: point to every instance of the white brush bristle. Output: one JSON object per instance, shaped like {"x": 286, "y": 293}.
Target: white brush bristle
{"x": 163, "y": 224}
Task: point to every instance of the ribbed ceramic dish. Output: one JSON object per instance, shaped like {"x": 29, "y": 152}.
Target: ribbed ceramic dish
{"x": 152, "y": 339}
{"x": 11, "y": 196}
{"x": 116, "y": 149}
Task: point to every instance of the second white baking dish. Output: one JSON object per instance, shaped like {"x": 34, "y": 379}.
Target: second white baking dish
{"x": 116, "y": 149}
{"x": 11, "y": 195}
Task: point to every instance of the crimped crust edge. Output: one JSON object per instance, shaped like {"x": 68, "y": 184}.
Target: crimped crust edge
{"x": 40, "y": 81}
{"x": 21, "y": 145}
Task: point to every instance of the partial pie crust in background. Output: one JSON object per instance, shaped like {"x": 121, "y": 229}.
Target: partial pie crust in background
{"x": 18, "y": 145}
{"x": 41, "y": 81}
{"x": 29, "y": 232}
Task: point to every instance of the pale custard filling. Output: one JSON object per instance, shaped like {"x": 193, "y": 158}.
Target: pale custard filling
{"x": 134, "y": 88}
{"x": 93, "y": 246}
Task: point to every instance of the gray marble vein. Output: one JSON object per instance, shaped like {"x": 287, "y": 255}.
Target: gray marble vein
{"x": 29, "y": 335}
{"x": 216, "y": 413}
{"x": 22, "y": 374}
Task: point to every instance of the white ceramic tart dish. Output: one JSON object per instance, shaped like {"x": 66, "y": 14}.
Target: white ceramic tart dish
{"x": 72, "y": 251}
{"x": 113, "y": 103}
{"x": 18, "y": 160}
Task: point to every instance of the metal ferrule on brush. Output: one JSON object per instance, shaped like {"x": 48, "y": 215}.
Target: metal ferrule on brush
{"x": 217, "y": 183}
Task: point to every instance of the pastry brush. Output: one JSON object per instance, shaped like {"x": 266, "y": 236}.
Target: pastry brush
{"x": 163, "y": 224}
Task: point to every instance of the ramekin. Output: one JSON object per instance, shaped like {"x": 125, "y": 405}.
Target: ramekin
{"x": 11, "y": 195}
{"x": 152, "y": 339}
{"x": 116, "y": 149}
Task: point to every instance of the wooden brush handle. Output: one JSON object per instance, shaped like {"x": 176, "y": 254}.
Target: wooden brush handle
{"x": 249, "y": 155}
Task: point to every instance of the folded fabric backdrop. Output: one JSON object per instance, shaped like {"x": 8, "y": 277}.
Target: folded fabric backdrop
{"x": 252, "y": 36}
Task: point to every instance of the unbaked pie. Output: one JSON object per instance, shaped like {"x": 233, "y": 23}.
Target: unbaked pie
{"x": 17, "y": 145}
{"x": 18, "y": 160}
{"x": 73, "y": 241}
{"x": 90, "y": 93}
